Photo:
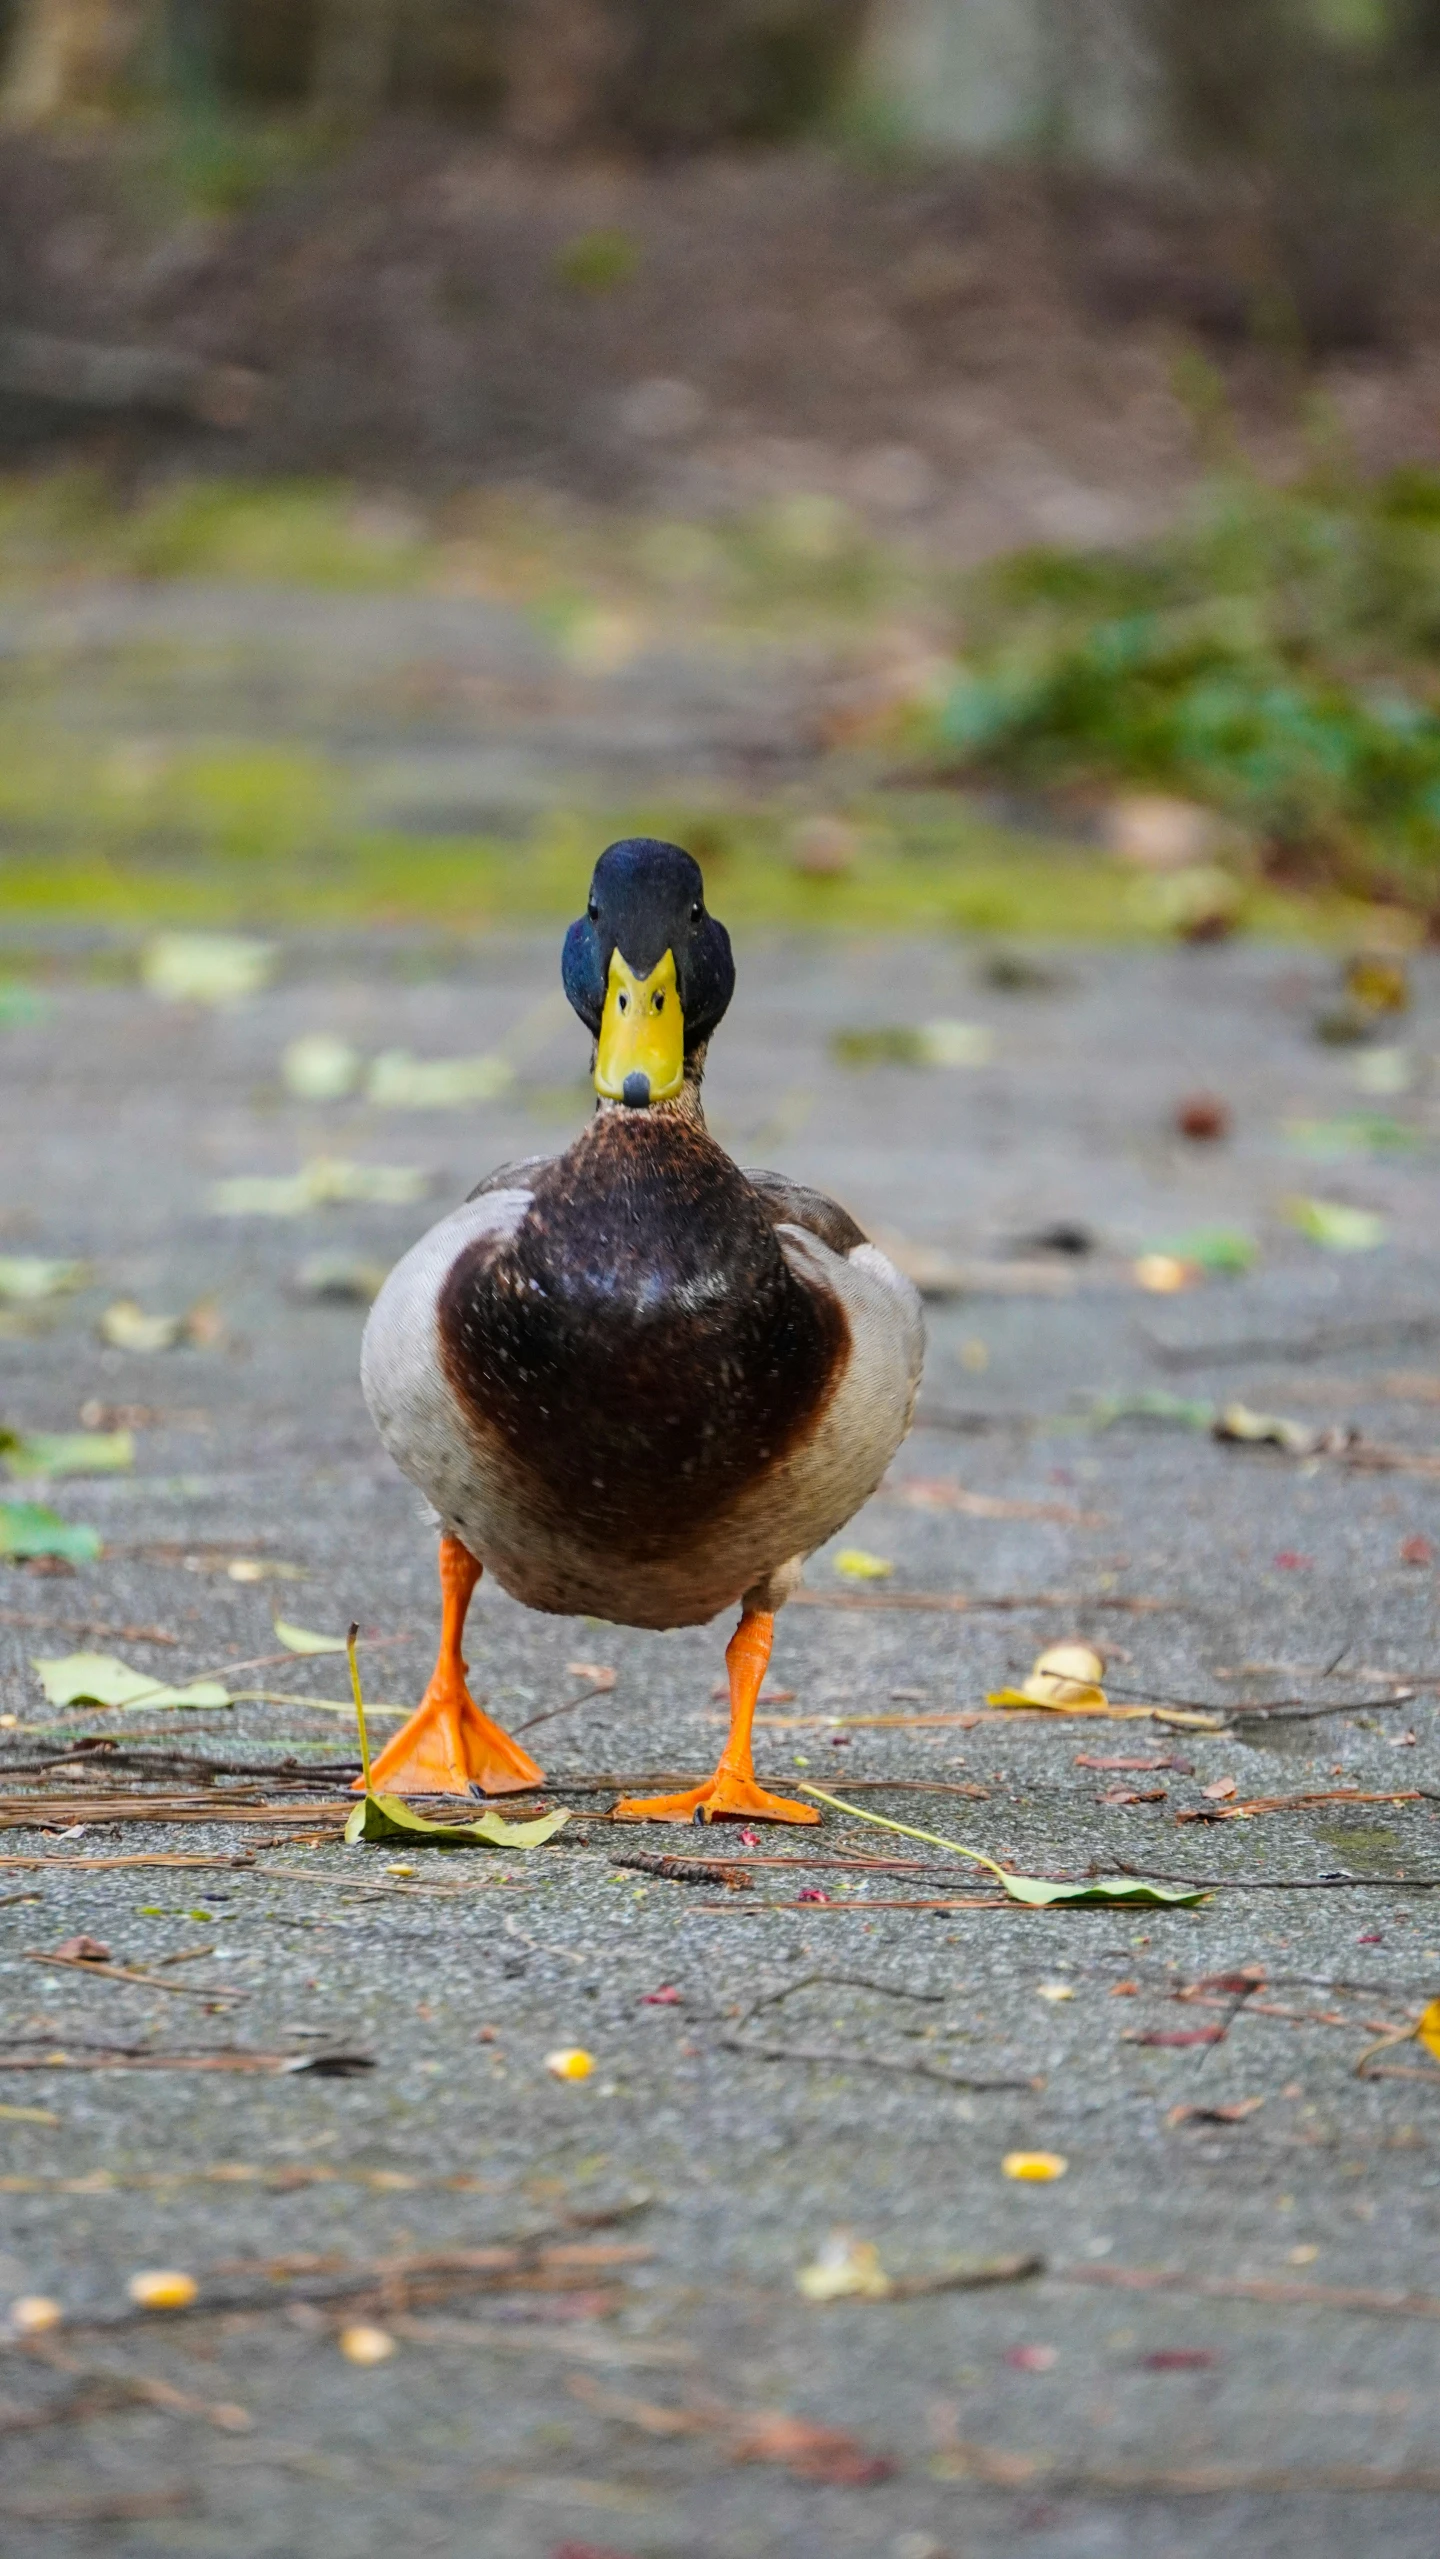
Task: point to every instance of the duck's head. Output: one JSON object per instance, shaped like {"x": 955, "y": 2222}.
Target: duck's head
{"x": 648, "y": 970}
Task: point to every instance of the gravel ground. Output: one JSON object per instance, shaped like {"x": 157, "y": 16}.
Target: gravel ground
{"x": 1065, "y": 2414}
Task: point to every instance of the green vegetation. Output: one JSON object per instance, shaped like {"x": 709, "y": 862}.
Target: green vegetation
{"x": 1277, "y": 658}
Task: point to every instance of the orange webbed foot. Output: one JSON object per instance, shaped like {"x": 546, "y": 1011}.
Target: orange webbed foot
{"x": 447, "y": 1747}
{"x": 723, "y": 1797}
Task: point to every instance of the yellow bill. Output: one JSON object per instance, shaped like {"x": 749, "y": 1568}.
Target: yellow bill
{"x": 640, "y": 1057}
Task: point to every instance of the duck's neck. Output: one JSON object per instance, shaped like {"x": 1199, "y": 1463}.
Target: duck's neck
{"x": 684, "y": 1105}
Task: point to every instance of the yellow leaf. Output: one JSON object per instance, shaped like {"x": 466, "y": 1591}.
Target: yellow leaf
{"x": 1428, "y": 2030}
{"x": 571, "y": 2061}
{"x": 163, "y": 2288}
{"x": 33, "y": 2314}
{"x": 1066, "y": 1678}
{"x": 299, "y": 1639}
{"x": 1034, "y": 2167}
{"x": 859, "y": 1565}
{"x": 364, "y": 2345}
{"x": 844, "y": 2267}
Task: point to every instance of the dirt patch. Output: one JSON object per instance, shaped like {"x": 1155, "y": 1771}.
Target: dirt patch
{"x": 969, "y": 356}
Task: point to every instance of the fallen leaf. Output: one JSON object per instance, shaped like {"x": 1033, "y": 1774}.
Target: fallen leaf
{"x": 318, "y": 1067}
{"x": 67, "y": 1452}
{"x": 1125, "y": 1990}
{"x": 1115, "y": 1795}
{"x": 24, "y": 1277}
{"x": 390, "y": 1817}
{"x": 1236, "y": 1422}
{"x": 1163, "y": 1274}
{"x": 1054, "y": 1990}
{"x": 1181, "y": 2359}
{"x": 1031, "y": 2358}
{"x": 29, "y": 1529}
{"x": 1287, "y": 1561}
{"x": 163, "y": 2288}
{"x": 940, "y": 1043}
{"x": 1105, "y": 1889}
{"x": 1222, "y": 1787}
{"x": 1337, "y": 1226}
{"x": 1379, "y": 980}
{"x": 206, "y": 968}
{"x": 125, "y": 1326}
{"x": 34, "y": 2312}
{"x": 1033, "y": 1891}
{"x": 28, "y": 2115}
{"x": 666, "y": 1997}
{"x": 339, "y": 1279}
{"x": 300, "y": 1639}
{"x": 845, "y": 2267}
{"x": 1033, "y": 2167}
{"x": 100, "y": 1679}
{"x": 1417, "y": 1550}
{"x": 1234, "y": 2114}
{"x": 362, "y": 2344}
{"x": 399, "y": 1082}
{"x": 324, "y": 1182}
{"x": 84, "y": 1950}
{"x": 1428, "y": 2030}
{"x": 600, "y": 1674}
{"x": 570, "y": 2061}
{"x": 1203, "y": 1117}
{"x": 859, "y": 1565}
{"x": 1066, "y": 1678}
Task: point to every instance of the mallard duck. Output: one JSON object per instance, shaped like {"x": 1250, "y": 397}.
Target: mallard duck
{"x": 635, "y": 1382}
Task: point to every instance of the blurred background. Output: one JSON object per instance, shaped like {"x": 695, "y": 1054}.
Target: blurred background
{"x": 970, "y": 464}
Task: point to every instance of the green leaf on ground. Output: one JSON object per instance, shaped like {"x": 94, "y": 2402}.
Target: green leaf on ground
{"x": 1039, "y": 1895}
{"x": 206, "y": 968}
{"x": 324, "y": 1181}
{"x": 25, "y": 1277}
{"x": 301, "y": 1639}
{"x": 67, "y": 1452}
{"x": 101, "y": 1679}
{"x": 390, "y": 1817}
{"x": 1340, "y": 1228}
{"x": 399, "y": 1082}
{"x": 1030, "y": 1890}
{"x": 28, "y": 1528}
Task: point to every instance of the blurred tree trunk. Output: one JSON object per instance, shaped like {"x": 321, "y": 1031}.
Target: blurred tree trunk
{"x": 560, "y": 60}
{"x": 354, "y": 58}
{"x": 67, "y": 55}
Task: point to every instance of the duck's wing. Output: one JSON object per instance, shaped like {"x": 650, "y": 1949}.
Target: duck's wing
{"x": 510, "y": 1177}
{"x": 788, "y": 1203}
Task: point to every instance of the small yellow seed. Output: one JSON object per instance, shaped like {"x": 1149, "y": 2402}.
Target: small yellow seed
{"x": 33, "y": 2314}
{"x": 361, "y": 2345}
{"x": 1034, "y": 2167}
{"x": 570, "y": 2062}
{"x": 162, "y": 2288}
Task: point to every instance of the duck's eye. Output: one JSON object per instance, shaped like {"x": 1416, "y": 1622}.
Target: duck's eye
{"x": 696, "y": 912}
{"x": 593, "y": 911}
{"x": 624, "y": 1003}
{"x": 660, "y": 1003}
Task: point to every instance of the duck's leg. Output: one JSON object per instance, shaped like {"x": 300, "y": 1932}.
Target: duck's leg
{"x": 448, "y": 1744}
{"x": 733, "y": 1792}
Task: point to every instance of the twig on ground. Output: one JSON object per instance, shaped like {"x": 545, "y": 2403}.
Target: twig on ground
{"x": 839, "y": 2057}
{"x": 1378, "y": 2304}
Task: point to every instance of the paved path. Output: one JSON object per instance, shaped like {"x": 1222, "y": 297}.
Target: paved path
{"x": 1066, "y": 2414}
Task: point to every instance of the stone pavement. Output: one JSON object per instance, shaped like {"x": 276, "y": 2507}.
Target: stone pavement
{"x": 657, "y": 2403}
